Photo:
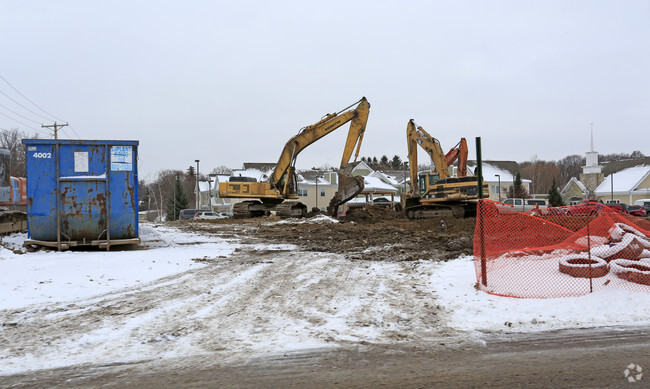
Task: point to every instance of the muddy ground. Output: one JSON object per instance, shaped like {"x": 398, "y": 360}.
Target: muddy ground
{"x": 370, "y": 233}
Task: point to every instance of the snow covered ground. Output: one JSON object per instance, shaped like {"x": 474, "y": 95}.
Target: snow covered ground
{"x": 187, "y": 294}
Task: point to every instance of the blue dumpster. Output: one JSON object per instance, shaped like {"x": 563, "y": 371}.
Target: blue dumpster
{"x": 81, "y": 192}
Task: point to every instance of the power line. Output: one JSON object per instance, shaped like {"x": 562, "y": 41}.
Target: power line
{"x": 75, "y": 132}
{"x": 22, "y": 106}
{"x": 18, "y": 121}
{"x": 16, "y": 113}
{"x": 55, "y": 125}
{"x": 25, "y": 97}
{"x": 35, "y": 113}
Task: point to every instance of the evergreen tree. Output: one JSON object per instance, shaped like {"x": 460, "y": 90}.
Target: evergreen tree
{"x": 177, "y": 201}
{"x": 190, "y": 170}
{"x": 554, "y": 197}
{"x": 396, "y": 163}
{"x": 518, "y": 190}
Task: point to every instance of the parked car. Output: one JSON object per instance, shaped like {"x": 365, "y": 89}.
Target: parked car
{"x": 187, "y": 214}
{"x": 523, "y": 205}
{"x": 586, "y": 207}
{"x": 637, "y": 210}
{"x": 645, "y": 203}
{"x": 207, "y": 215}
{"x": 555, "y": 211}
{"x": 620, "y": 207}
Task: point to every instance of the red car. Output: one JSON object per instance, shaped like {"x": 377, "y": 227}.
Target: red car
{"x": 622, "y": 208}
{"x": 637, "y": 210}
{"x": 586, "y": 207}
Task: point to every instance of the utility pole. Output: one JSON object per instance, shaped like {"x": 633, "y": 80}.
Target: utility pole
{"x": 198, "y": 189}
{"x": 175, "y": 214}
{"x": 56, "y": 128}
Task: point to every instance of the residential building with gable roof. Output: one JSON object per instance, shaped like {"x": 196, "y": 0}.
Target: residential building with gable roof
{"x": 627, "y": 184}
{"x": 500, "y": 177}
{"x": 574, "y": 191}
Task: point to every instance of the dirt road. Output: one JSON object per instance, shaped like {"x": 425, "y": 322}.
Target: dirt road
{"x": 577, "y": 358}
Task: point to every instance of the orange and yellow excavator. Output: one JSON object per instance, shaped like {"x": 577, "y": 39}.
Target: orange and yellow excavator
{"x": 437, "y": 193}
{"x": 270, "y": 195}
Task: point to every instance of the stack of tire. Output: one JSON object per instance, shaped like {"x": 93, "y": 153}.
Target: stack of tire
{"x": 626, "y": 253}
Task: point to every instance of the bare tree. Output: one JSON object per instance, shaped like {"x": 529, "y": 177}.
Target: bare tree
{"x": 222, "y": 170}
{"x": 543, "y": 175}
{"x": 570, "y": 166}
{"x": 12, "y": 141}
{"x": 621, "y": 156}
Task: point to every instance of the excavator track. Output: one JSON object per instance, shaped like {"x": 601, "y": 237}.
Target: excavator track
{"x": 248, "y": 209}
{"x": 12, "y": 221}
{"x": 291, "y": 209}
{"x": 240, "y": 210}
{"x": 430, "y": 211}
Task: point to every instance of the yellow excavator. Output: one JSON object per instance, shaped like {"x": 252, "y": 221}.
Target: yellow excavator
{"x": 435, "y": 194}
{"x": 270, "y": 195}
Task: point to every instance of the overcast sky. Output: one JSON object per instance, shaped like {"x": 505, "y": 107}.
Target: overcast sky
{"x": 231, "y": 82}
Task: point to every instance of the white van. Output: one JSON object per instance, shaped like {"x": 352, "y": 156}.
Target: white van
{"x": 523, "y": 205}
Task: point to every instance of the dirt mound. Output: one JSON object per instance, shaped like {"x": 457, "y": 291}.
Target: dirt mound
{"x": 368, "y": 234}
{"x": 371, "y": 213}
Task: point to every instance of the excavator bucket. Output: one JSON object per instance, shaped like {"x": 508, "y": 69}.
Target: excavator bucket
{"x": 349, "y": 187}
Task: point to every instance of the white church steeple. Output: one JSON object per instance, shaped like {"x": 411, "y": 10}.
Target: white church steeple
{"x": 591, "y": 165}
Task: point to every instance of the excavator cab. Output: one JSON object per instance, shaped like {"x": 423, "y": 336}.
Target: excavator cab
{"x": 426, "y": 181}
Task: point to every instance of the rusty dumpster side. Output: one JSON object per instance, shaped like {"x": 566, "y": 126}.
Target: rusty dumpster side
{"x": 81, "y": 192}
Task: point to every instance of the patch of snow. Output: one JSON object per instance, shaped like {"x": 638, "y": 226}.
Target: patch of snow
{"x": 474, "y": 310}
{"x": 318, "y": 219}
{"x": 52, "y": 276}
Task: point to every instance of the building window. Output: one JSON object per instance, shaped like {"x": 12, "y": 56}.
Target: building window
{"x": 302, "y": 192}
{"x": 322, "y": 192}
{"x": 495, "y": 189}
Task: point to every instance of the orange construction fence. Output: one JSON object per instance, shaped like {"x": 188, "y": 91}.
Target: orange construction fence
{"x": 559, "y": 251}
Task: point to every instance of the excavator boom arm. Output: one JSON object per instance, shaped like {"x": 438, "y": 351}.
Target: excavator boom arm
{"x": 312, "y": 133}
{"x": 418, "y": 136}
{"x": 458, "y": 152}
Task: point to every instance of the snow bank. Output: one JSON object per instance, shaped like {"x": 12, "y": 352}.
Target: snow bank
{"x": 52, "y": 276}
{"x": 473, "y": 310}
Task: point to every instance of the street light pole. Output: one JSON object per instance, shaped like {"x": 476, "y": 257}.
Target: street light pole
{"x": 175, "y": 214}
{"x": 316, "y": 191}
{"x": 499, "y": 178}
{"x": 198, "y": 191}
{"x": 210, "y": 193}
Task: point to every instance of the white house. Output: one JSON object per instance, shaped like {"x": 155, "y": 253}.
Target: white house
{"x": 500, "y": 177}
